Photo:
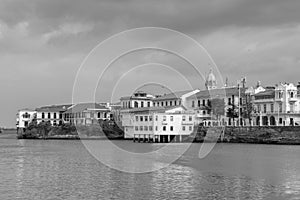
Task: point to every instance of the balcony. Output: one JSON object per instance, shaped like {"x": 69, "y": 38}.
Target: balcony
{"x": 293, "y": 99}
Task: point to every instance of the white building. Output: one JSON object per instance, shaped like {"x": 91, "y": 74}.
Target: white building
{"x": 278, "y": 106}
{"x": 53, "y": 114}
{"x": 159, "y": 123}
{"x": 24, "y": 117}
{"x": 137, "y": 100}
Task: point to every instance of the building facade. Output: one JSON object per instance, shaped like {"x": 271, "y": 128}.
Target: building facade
{"x": 24, "y": 117}
{"x": 53, "y": 114}
{"x": 277, "y": 106}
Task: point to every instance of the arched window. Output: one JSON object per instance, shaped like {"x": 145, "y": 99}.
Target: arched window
{"x": 136, "y": 104}
{"x": 292, "y": 94}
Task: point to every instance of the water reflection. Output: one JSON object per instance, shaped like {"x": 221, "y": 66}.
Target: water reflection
{"x": 65, "y": 170}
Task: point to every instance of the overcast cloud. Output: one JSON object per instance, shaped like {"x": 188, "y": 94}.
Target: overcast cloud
{"x": 43, "y": 42}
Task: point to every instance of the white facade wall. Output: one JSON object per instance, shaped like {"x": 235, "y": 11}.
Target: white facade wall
{"x": 22, "y": 120}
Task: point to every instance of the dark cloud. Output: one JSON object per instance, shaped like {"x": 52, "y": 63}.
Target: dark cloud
{"x": 43, "y": 42}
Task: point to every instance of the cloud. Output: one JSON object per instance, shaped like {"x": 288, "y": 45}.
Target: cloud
{"x": 42, "y": 43}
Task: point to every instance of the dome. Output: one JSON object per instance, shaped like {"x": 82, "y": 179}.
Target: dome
{"x": 211, "y": 82}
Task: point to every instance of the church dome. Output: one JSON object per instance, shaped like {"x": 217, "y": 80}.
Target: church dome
{"x": 211, "y": 82}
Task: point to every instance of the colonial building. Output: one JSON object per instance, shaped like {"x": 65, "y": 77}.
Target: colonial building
{"x": 53, "y": 114}
{"x": 137, "y": 100}
{"x": 277, "y": 106}
{"x": 24, "y": 117}
{"x": 86, "y": 113}
{"x": 174, "y": 99}
{"x": 212, "y": 106}
{"x": 158, "y": 123}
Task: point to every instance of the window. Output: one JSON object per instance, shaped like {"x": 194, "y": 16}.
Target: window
{"x": 272, "y": 108}
{"x": 54, "y": 123}
{"x": 199, "y": 103}
{"x": 156, "y": 118}
{"x": 175, "y": 103}
{"x": 179, "y": 102}
{"x": 148, "y": 104}
{"x": 193, "y": 104}
{"x": 136, "y": 128}
{"x": 171, "y": 118}
{"x": 229, "y": 101}
{"x": 190, "y": 118}
{"x": 162, "y": 103}
{"x": 171, "y": 128}
{"x": 166, "y": 103}
{"x": 265, "y": 108}
{"x": 156, "y": 128}
{"x": 203, "y": 102}
{"x": 137, "y": 118}
{"x": 190, "y": 128}
{"x": 141, "y": 118}
{"x": 280, "y": 107}
{"x": 54, "y": 116}
{"x": 280, "y": 120}
{"x": 150, "y": 118}
{"x": 146, "y": 118}
{"x": 60, "y": 115}
{"x": 142, "y": 104}
{"x": 49, "y": 115}
{"x": 43, "y": 115}
{"x": 150, "y": 128}
{"x": 146, "y": 128}
{"x": 141, "y": 128}
{"x": 136, "y": 104}
{"x": 99, "y": 115}
{"x": 292, "y": 94}
{"x": 171, "y": 103}
{"x": 183, "y": 118}
{"x": 164, "y": 118}
{"x": 204, "y": 112}
{"x": 183, "y": 128}
{"x": 164, "y": 128}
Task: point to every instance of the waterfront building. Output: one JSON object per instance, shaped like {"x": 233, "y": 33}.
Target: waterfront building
{"x": 53, "y": 114}
{"x": 212, "y": 105}
{"x": 137, "y": 100}
{"x": 279, "y": 105}
{"x": 24, "y": 117}
{"x": 158, "y": 123}
{"x": 174, "y": 99}
{"x": 86, "y": 113}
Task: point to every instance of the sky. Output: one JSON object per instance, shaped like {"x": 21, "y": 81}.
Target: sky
{"x": 43, "y": 43}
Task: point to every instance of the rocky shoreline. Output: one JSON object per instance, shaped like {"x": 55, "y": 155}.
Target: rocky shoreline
{"x": 253, "y": 135}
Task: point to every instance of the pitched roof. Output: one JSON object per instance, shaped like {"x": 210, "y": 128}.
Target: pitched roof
{"x": 80, "y": 107}
{"x": 54, "y": 108}
{"x": 266, "y": 93}
{"x": 215, "y": 93}
{"x": 174, "y": 95}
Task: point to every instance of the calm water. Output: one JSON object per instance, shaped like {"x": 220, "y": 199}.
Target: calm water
{"x": 65, "y": 170}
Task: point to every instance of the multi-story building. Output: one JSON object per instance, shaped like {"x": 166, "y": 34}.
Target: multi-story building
{"x": 24, "y": 117}
{"x": 277, "y": 106}
{"x": 53, "y": 114}
{"x": 159, "y": 123}
{"x": 86, "y": 113}
{"x": 174, "y": 99}
{"x": 137, "y": 100}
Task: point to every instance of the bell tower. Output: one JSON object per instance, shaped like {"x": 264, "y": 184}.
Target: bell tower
{"x": 211, "y": 82}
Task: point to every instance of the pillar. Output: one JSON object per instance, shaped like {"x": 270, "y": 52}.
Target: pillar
{"x": 139, "y": 138}
{"x": 169, "y": 138}
{"x": 158, "y": 138}
{"x": 180, "y": 138}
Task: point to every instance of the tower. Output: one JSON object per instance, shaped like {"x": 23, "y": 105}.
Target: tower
{"x": 210, "y": 82}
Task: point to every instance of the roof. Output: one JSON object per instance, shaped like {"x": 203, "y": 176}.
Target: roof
{"x": 80, "y": 107}
{"x": 54, "y": 108}
{"x": 266, "y": 93}
{"x": 215, "y": 93}
{"x": 174, "y": 95}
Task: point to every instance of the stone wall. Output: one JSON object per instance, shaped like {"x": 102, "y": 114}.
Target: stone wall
{"x": 255, "y": 134}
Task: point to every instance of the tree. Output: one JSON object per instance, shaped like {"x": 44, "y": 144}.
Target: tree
{"x": 217, "y": 107}
{"x": 232, "y": 112}
{"x": 249, "y": 109}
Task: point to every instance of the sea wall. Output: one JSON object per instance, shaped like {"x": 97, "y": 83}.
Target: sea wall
{"x": 255, "y": 134}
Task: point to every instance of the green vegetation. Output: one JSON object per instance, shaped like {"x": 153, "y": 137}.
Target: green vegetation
{"x": 44, "y": 130}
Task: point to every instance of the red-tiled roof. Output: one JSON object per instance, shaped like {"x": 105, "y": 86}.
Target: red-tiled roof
{"x": 54, "y": 108}
{"x": 219, "y": 93}
{"x": 174, "y": 95}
